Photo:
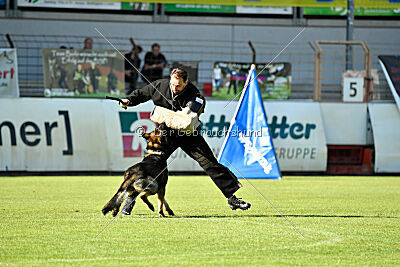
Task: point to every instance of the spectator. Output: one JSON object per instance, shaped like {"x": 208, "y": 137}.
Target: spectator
{"x": 217, "y": 77}
{"x": 154, "y": 63}
{"x": 232, "y": 80}
{"x": 131, "y": 73}
{"x": 88, "y": 43}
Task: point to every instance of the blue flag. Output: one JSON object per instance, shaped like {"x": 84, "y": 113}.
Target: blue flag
{"x": 248, "y": 150}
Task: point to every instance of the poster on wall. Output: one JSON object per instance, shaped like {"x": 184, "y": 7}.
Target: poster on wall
{"x": 228, "y": 79}
{"x": 8, "y": 73}
{"x": 82, "y": 73}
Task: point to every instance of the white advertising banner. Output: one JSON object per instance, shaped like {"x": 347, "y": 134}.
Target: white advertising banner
{"x": 385, "y": 119}
{"x": 345, "y": 124}
{"x": 298, "y": 134}
{"x": 52, "y": 135}
{"x": 296, "y": 128}
{"x": 8, "y": 73}
{"x": 71, "y": 4}
{"x": 264, "y": 10}
{"x": 97, "y": 135}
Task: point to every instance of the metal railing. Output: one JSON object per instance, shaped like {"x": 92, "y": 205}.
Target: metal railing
{"x": 206, "y": 52}
{"x": 318, "y": 67}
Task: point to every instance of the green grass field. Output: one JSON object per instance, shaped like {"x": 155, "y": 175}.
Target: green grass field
{"x": 345, "y": 221}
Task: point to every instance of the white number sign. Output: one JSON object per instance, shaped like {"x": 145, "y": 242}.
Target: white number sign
{"x": 353, "y": 89}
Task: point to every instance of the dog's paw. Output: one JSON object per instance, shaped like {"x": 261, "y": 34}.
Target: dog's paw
{"x": 161, "y": 214}
{"x": 115, "y": 212}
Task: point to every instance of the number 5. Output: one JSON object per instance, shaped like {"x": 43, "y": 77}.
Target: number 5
{"x": 353, "y": 87}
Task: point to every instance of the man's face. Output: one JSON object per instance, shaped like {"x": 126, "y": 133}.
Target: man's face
{"x": 156, "y": 50}
{"x": 177, "y": 84}
{"x": 89, "y": 44}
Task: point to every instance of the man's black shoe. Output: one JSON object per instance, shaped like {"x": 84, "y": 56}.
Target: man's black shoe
{"x": 236, "y": 203}
{"x": 129, "y": 204}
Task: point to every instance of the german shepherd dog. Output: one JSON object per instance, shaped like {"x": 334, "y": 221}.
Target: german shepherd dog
{"x": 147, "y": 177}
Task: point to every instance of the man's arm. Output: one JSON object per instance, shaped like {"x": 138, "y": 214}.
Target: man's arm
{"x": 140, "y": 95}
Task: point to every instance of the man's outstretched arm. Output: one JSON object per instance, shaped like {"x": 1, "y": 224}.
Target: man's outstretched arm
{"x": 139, "y": 96}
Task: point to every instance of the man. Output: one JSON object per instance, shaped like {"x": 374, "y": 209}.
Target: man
{"x": 175, "y": 94}
{"x": 217, "y": 77}
{"x": 88, "y": 43}
{"x": 154, "y": 63}
{"x": 131, "y": 73}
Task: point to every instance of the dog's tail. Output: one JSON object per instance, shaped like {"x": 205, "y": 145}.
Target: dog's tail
{"x": 118, "y": 198}
{"x": 115, "y": 203}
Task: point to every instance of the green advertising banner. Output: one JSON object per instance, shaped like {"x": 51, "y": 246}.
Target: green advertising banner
{"x": 137, "y": 6}
{"x": 228, "y": 9}
{"x": 199, "y": 8}
{"x": 341, "y": 11}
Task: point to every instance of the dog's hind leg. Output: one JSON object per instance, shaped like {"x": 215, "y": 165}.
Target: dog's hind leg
{"x": 168, "y": 209}
{"x": 146, "y": 200}
{"x": 161, "y": 195}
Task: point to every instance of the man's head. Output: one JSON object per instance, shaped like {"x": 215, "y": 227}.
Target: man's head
{"x": 88, "y": 43}
{"x": 178, "y": 80}
{"x": 155, "y": 49}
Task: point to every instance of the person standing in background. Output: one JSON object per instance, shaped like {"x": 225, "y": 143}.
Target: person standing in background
{"x": 88, "y": 43}
{"x": 217, "y": 77}
{"x": 154, "y": 63}
{"x": 131, "y": 72}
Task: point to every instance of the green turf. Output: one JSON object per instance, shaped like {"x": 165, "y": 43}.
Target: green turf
{"x": 345, "y": 221}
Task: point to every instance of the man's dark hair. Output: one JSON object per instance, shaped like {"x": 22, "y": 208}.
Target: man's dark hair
{"x": 180, "y": 73}
{"x": 155, "y": 45}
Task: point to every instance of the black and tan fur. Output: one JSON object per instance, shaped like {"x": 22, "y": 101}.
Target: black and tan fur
{"x": 145, "y": 178}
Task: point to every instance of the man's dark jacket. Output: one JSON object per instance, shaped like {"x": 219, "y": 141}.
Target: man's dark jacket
{"x": 161, "y": 94}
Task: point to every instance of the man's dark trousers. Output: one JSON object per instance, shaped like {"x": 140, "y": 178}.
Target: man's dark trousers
{"x": 196, "y": 147}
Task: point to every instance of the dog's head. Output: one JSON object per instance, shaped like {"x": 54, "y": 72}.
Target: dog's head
{"x": 157, "y": 140}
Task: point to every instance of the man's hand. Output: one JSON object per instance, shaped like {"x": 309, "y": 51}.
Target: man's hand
{"x": 124, "y": 104}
